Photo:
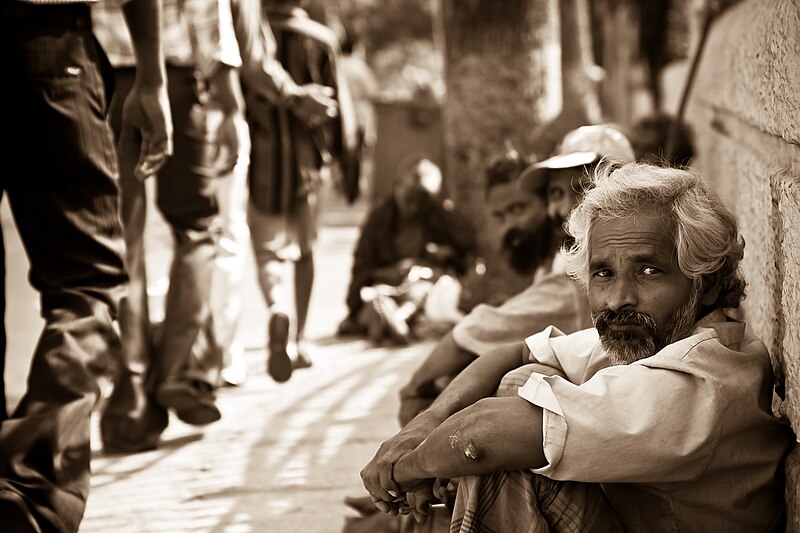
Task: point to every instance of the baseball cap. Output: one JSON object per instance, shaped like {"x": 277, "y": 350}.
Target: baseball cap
{"x": 582, "y": 146}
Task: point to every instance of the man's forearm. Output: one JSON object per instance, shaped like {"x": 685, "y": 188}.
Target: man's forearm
{"x": 491, "y": 435}
{"x": 225, "y": 89}
{"x": 479, "y": 380}
{"x": 446, "y": 359}
{"x": 144, "y": 22}
{"x": 260, "y": 68}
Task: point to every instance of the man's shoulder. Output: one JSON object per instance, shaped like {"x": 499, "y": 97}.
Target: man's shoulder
{"x": 718, "y": 346}
{"x": 305, "y": 26}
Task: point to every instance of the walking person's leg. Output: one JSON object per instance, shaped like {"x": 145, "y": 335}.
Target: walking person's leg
{"x": 306, "y": 230}
{"x": 132, "y": 421}
{"x": 232, "y": 249}
{"x": 61, "y": 182}
{"x": 188, "y": 367}
{"x": 267, "y": 233}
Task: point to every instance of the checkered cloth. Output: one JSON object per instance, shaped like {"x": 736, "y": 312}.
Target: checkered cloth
{"x": 521, "y": 501}
{"x": 524, "y": 502}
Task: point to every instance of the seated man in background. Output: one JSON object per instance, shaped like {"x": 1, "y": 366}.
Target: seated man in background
{"x": 652, "y": 136}
{"x": 531, "y": 240}
{"x": 406, "y": 242}
{"x": 657, "y": 419}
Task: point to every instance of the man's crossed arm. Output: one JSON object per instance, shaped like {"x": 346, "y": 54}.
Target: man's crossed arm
{"x": 466, "y": 431}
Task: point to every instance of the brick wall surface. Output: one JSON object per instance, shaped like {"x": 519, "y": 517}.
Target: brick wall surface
{"x": 745, "y": 112}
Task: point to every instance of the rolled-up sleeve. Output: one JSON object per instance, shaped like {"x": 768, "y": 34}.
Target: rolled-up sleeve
{"x": 628, "y": 424}
{"x": 211, "y": 28}
{"x": 546, "y": 302}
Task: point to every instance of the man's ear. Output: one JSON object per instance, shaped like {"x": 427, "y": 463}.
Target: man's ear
{"x": 712, "y": 286}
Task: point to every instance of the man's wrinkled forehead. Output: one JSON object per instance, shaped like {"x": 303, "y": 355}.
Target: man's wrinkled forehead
{"x": 574, "y": 177}
{"x": 645, "y": 237}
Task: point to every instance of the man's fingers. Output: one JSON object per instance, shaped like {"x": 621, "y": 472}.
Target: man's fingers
{"x": 149, "y": 164}
{"x": 387, "y": 483}
{"x": 373, "y": 484}
{"x": 227, "y": 166}
{"x": 440, "y": 488}
{"x": 380, "y": 504}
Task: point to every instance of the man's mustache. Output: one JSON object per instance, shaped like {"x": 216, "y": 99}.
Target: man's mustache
{"x": 604, "y": 319}
{"x": 514, "y": 238}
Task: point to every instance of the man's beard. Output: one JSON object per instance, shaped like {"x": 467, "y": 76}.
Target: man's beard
{"x": 625, "y": 347}
{"x": 526, "y": 250}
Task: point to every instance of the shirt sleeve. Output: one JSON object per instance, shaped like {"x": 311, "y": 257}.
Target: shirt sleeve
{"x": 211, "y": 28}
{"x": 627, "y": 424}
{"x": 548, "y": 301}
{"x": 261, "y": 70}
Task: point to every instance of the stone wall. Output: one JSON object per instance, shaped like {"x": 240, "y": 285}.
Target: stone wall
{"x": 745, "y": 112}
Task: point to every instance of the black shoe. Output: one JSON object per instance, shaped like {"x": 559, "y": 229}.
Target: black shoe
{"x": 350, "y": 326}
{"x": 279, "y": 364}
{"x": 128, "y": 433}
{"x": 132, "y": 421}
{"x": 193, "y": 402}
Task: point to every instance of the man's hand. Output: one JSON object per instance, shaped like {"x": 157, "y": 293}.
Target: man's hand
{"x": 377, "y": 475}
{"x": 415, "y": 399}
{"x": 314, "y": 104}
{"x": 228, "y": 141}
{"x": 146, "y": 117}
{"x": 411, "y": 407}
{"x": 419, "y": 499}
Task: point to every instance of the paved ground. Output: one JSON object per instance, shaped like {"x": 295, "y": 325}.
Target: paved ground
{"x": 284, "y": 455}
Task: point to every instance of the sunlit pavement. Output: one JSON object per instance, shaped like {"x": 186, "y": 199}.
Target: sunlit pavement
{"x": 284, "y": 456}
{"x": 281, "y": 459}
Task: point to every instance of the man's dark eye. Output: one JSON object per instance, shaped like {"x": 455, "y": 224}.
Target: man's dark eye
{"x": 556, "y": 193}
{"x": 649, "y": 271}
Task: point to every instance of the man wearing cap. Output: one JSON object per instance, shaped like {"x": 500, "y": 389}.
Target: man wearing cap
{"x": 659, "y": 418}
{"x": 551, "y": 299}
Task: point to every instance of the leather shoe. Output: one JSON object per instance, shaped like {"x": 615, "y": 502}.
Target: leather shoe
{"x": 279, "y": 364}
{"x": 193, "y": 402}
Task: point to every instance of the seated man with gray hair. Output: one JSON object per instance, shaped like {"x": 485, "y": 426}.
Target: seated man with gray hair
{"x": 657, "y": 419}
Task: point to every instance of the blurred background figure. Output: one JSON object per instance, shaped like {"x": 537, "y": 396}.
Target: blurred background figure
{"x": 175, "y": 368}
{"x": 650, "y": 137}
{"x": 288, "y": 161}
{"x": 407, "y": 242}
{"x": 232, "y": 248}
{"x": 364, "y": 88}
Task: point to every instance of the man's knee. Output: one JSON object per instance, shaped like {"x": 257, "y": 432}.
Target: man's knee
{"x": 519, "y": 376}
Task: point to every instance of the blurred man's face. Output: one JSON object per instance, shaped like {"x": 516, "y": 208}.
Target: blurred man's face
{"x": 563, "y": 190}
{"x": 525, "y": 230}
{"x": 640, "y": 299}
{"x": 410, "y": 196}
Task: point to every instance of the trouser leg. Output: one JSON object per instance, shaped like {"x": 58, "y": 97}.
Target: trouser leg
{"x": 267, "y": 233}
{"x": 65, "y": 203}
{"x": 226, "y": 300}
{"x": 3, "y": 406}
{"x": 187, "y": 199}
{"x": 132, "y": 421}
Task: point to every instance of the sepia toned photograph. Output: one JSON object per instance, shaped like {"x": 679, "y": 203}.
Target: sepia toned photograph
{"x": 400, "y": 266}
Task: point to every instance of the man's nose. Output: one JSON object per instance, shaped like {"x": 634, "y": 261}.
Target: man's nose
{"x": 622, "y": 294}
{"x": 555, "y": 210}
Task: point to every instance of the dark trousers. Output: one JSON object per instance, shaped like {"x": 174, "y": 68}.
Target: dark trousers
{"x": 186, "y": 197}
{"x": 61, "y": 182}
